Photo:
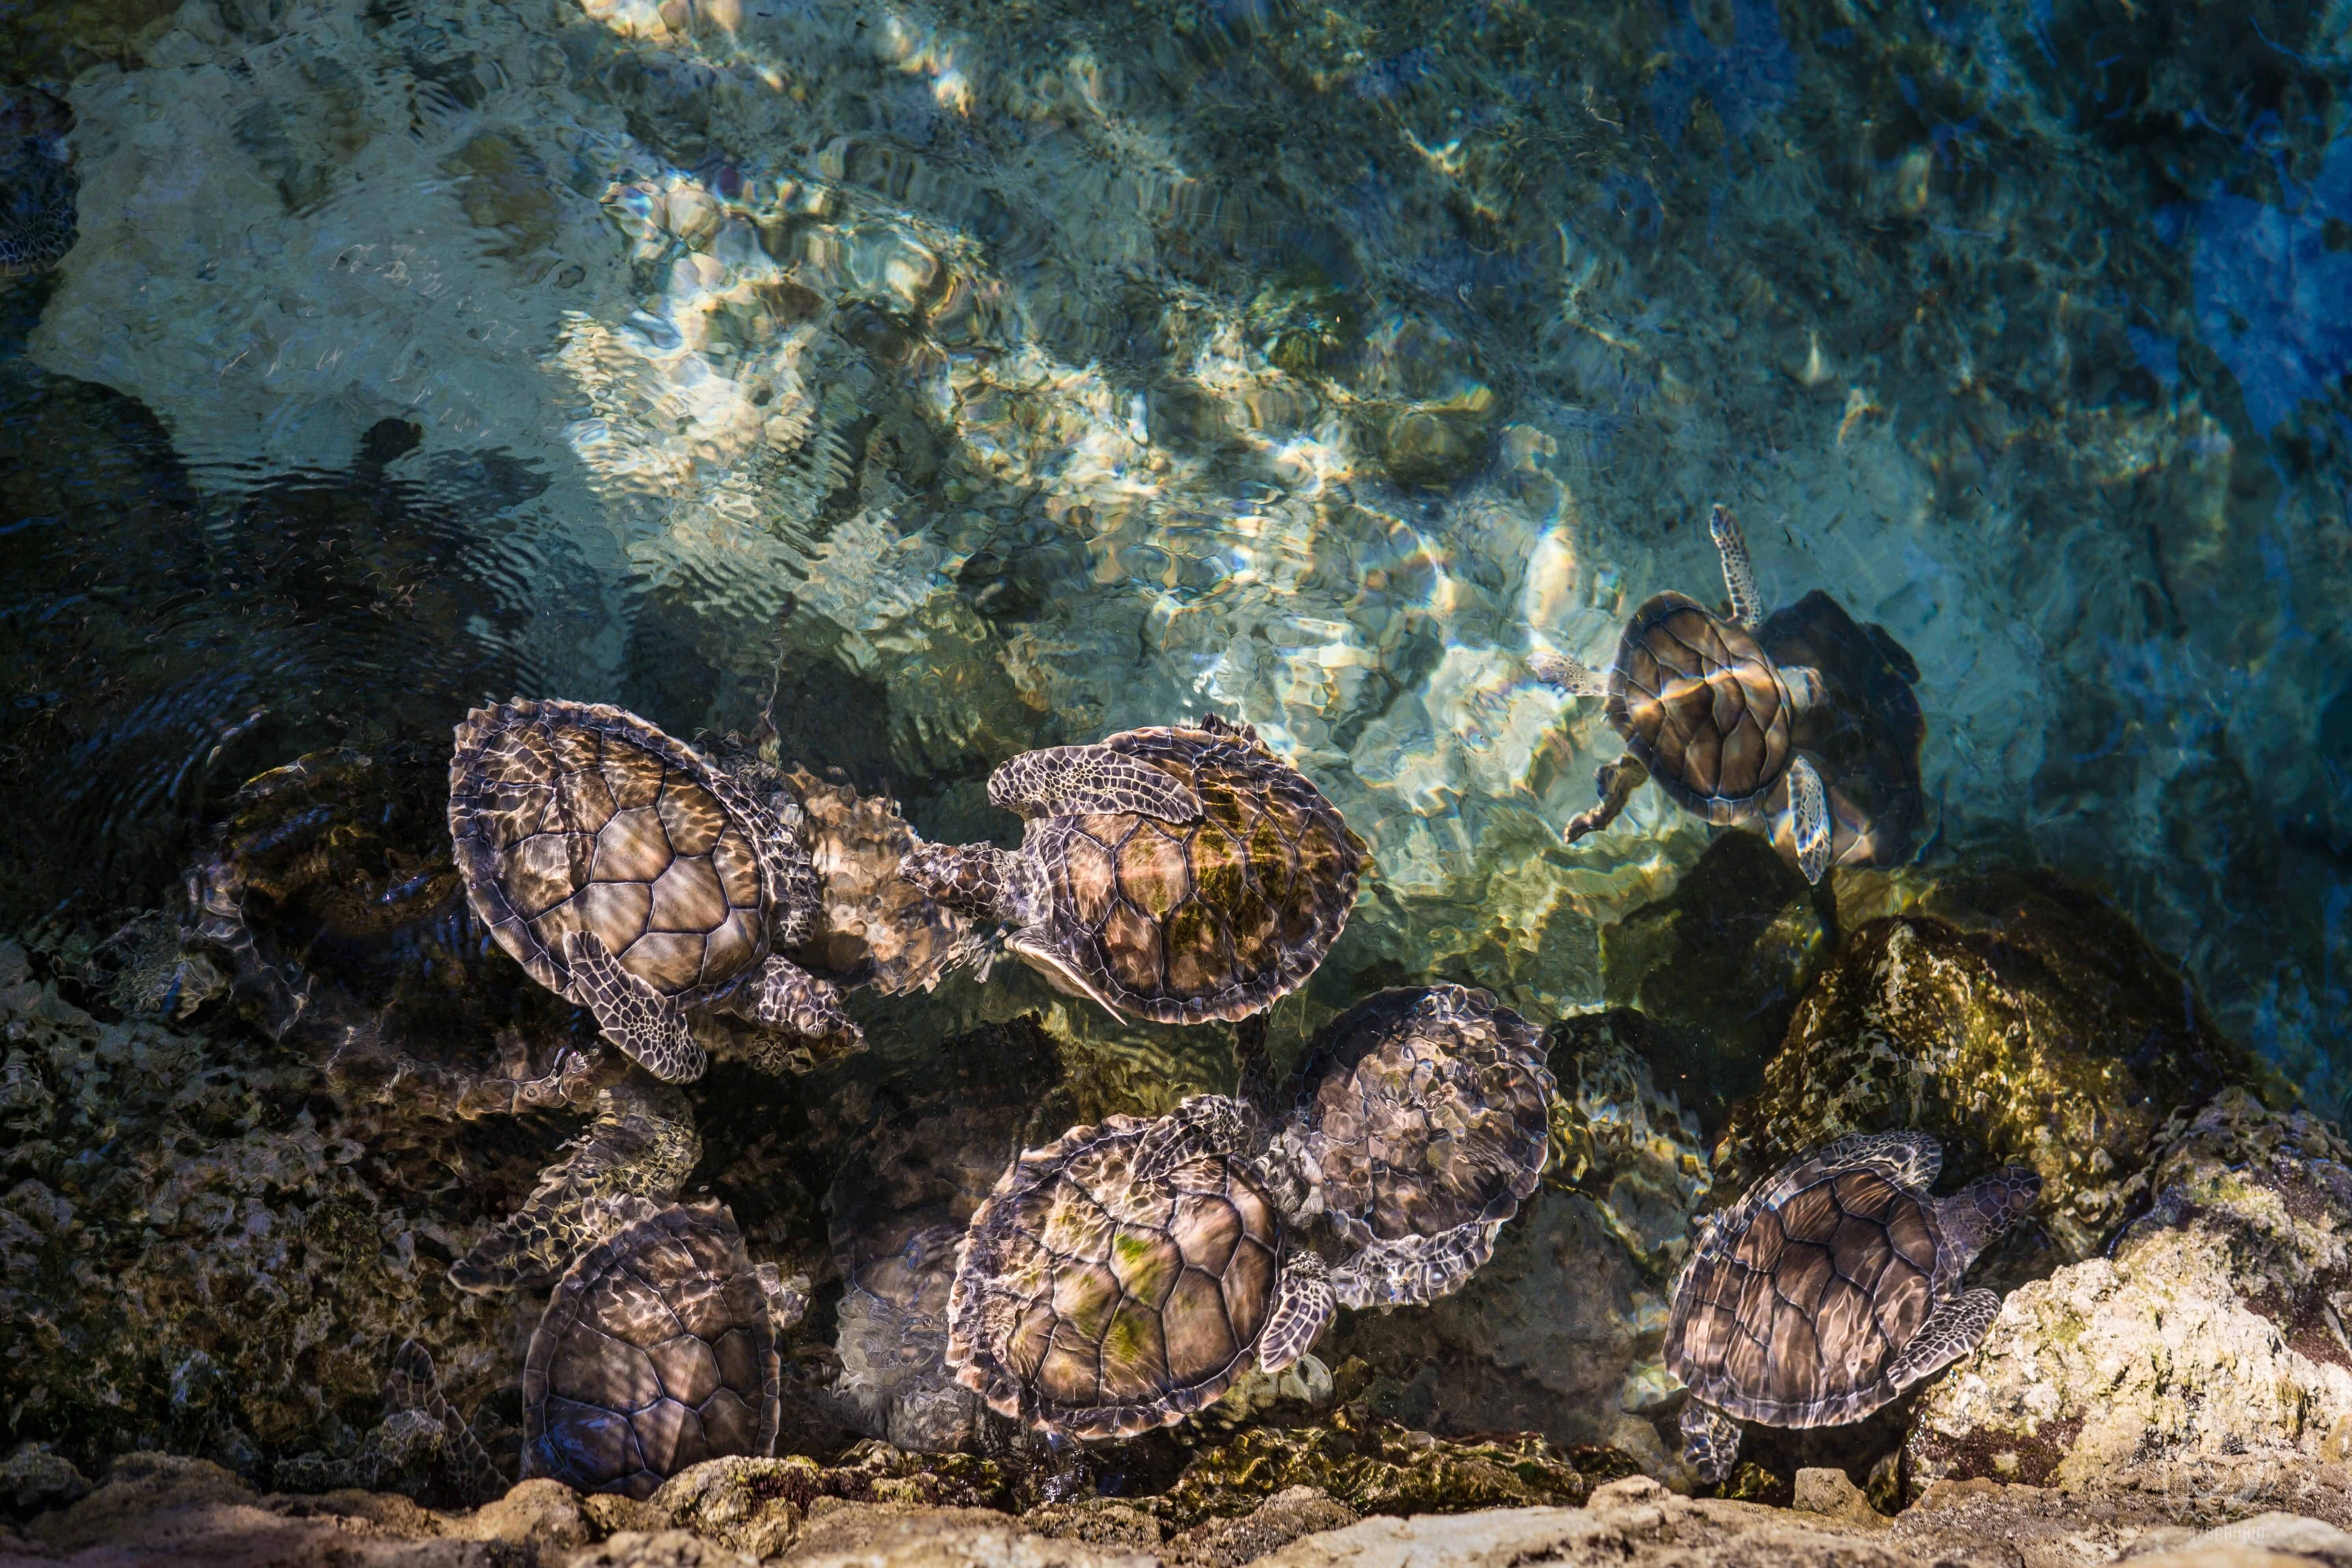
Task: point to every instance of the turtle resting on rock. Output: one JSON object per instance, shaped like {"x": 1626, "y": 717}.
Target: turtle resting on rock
{"x": 1179, "y": 874}
{"x": 1418, "y": 1121}
{"x": 1830, "y": 1288}
{"x": 631, "y": 875}
{"x": 1705, "y": 711}
{"x": 658, "y": 1351}
{"x": 1124, "y": 1276}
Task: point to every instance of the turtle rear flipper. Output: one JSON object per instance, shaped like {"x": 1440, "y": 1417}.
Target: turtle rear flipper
{"x": 1710, "y": 1441}
{"x": 1303, "y": 1306}
{"x": 651, "y": 1027}
{"x": 1076, "y": 780}
{"x": 784, "y": 996}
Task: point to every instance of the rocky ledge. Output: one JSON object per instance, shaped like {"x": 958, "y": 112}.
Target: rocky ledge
{"x": 156, "y": 1510}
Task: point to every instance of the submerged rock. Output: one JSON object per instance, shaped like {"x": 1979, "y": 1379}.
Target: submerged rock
{"x": 2018, "y": 1019}
{"x": 2213, "y": 1333}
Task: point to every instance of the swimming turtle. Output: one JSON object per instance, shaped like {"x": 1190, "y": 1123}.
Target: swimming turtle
{"x": 631, "y": 875}
{"x": 1123, "y": 1277}
{"x": 1418, "y": 1122}
{"x": 1863, "y": 736}
{"x": 1830, "y": 1288}
{"x": 37, "y": 184}
{"x": 658, "y": 1351}
{"x": 1705, "y": 710}
{"x": 1177, "y": 874}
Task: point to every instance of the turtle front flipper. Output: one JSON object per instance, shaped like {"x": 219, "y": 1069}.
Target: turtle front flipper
{"x": 626, "y": 1166}
{"x": 1739, "y": 575}
{"x": 412, "y": 1384}
{"x": 1570, "y": 674}
{"x": 1616, "y": 781}
{"x": 1710, "y": 1441}
{"x": 1303, "y": 1307}
{"x": 1076, "y": 780}
{"x": 784, "y": 996}
{"x": 651, "y": 1027}
{"x": 1809, "y": 803}
{"x": 1951, "y": 1332}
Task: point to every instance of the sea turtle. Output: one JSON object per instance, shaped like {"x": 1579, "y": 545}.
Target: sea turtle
{"x": 1830, "y": 1288}
{"x": 1178, "y": 874}
{"x": 1123, "y": 1277}
{"x": 629, "y": 875}
{"x": 37, "y": 186}
{"x": 1418, "y": 1121}
{"x": 1863, "y": 736}
{"x": 1703, "y": 710}
{"x": 658, "y": 1351}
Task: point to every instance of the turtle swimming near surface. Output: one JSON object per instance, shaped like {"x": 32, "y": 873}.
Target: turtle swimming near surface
{"x": 1830, "y": 1288}
{"x": 1705, "y": 711}
{"x": 1178, "y": 874}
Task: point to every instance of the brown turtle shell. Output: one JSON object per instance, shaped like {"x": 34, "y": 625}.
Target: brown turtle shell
{"x": 1702, "y": 707}
{"x": 1211, "y": 918}
{"x": 655, "y": 1353}
{"x": 1801, "y": 1294}
{"x": 1421, "y": 1120}
{"x": 1099, "y": 1303}
{"x": 574, "y": 815}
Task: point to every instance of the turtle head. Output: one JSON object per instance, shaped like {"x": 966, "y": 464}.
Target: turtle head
{"x": 978, "y": 880}
{"x": 1807, "y": 690}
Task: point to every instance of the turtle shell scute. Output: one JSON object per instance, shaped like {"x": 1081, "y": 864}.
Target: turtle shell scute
{"x": 1100, "y": 1303}
{"x": 1798, "y": 1298}
{"x": 1701, "y": 705}
{"x": 570, "y": 815}
{"x": 657, "y": 1352}
{"x": 1180, "y": 922}
{"x": 1421, "y": 1121}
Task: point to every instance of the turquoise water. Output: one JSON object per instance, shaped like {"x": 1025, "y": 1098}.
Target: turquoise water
{"x": 941, "y": 382}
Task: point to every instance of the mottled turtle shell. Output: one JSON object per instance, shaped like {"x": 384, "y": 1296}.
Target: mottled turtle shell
{"x": 657, "y": 1352}
{"x": 1703, "y": 708}
{"x": 574, "y": 815}
{"x": 1211, "y": 918}
{"x": 1863, "y": 733}
{"x": 1100, "y": 1303}
{"x": 1800, "y": 1296}
{"x": 1420, "y": 1119}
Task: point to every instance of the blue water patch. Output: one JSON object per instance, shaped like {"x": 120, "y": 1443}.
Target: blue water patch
{"x": 1746, "y": 80}
{"x": 2274, "y": 301}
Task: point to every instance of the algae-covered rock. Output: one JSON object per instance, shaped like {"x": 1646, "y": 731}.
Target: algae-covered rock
{"x": 2018, "y": 1019}
{"x": 1621, "y": 1139}
{"x": 2214, "y": 1333}
{"x": 1372, "y": 1466}
{"x": 200, "y": 1249}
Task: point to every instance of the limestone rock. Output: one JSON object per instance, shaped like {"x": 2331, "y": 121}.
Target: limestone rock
{"x": 660, "y": 1549}
{"x": 1832, "y": 1494}
{"x": 541, "y": 1512}
{"x": 2212, "y": 1335}
{"x": 33, "y": 1479}
{"x": 867, "y": 1535}
{"x": 1289, "y": 1514}
{"x": 2015, "y": 1017}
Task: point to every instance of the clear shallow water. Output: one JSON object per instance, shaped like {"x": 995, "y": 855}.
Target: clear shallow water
{"x": 949, "y": 382}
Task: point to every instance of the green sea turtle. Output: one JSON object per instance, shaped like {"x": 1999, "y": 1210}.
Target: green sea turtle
{"x": 1123, "y": 1277}
{"x": 38, "y": 187}
{"x": 658, "y": 1351}
{"x": 1705, "y": 710}
{"x": 1177, "y": 874}
{"x": 630, "y": 874}
{"x": 1417, "y": 1123}
{"x": 1830, "y": 1288}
